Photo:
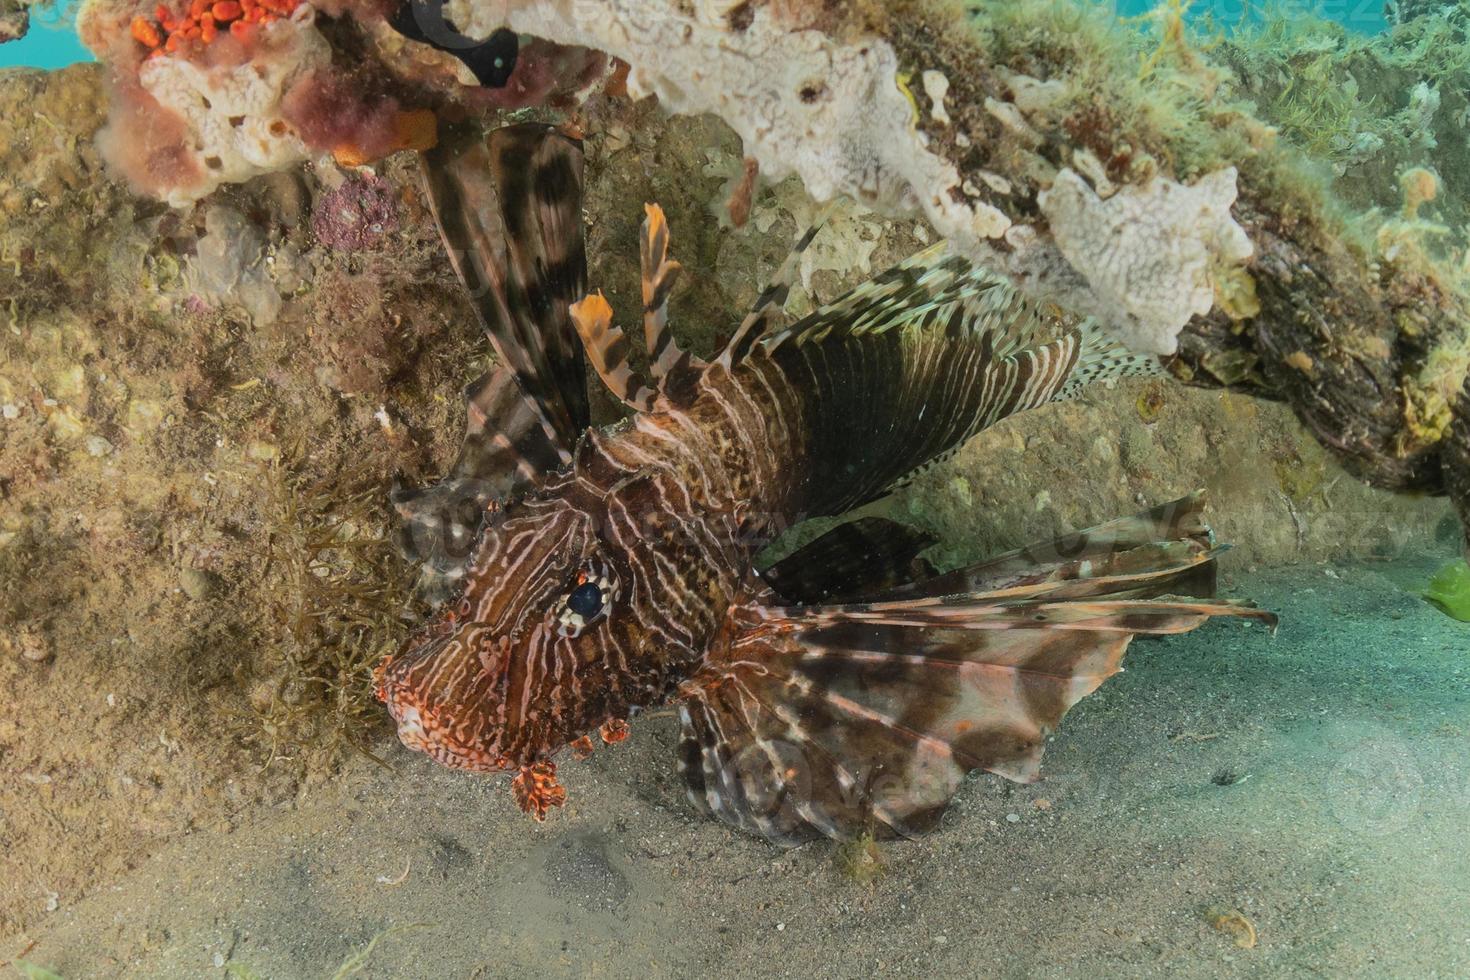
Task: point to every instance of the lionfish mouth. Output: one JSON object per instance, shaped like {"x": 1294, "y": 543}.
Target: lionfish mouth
{"x": 419, "y": 730}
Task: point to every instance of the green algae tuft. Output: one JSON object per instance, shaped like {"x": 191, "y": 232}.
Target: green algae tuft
{"x": 1449, "y": 589}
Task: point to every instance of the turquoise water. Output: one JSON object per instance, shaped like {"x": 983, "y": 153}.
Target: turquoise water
{"x": 1361, "y": 15}
{"x": 52, "y": 42}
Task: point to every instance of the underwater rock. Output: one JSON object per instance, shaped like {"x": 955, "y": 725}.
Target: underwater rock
{"x": 230, "y": 266}
{"x": 29, "y": 644}
{"x": 197, "y": 583}
{"x": 15, "y": 20}
{"x": 357, "y": 215}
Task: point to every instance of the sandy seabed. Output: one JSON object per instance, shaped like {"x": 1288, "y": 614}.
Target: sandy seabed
{"x": 1314, "y": 783}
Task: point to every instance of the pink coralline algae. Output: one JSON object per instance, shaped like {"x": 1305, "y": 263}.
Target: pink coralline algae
{"x": 356, "y": 215}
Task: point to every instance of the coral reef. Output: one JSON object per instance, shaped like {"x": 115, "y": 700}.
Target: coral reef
{"x": 1135, "y": 184}
{"x": 1044, "y": 122}
{"x": 1402, "y": 11}
{"x": 831, "y": 102}
{"x": 216, "y": 117}
{"x": 1371, "y": 108}
{"x": 1148, "y": 251}
{"x": 217, "y": 93}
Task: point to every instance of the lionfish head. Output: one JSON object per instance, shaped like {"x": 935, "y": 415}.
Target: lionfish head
{"x": 492, "y": 682}
{"x": 576, "y": 607}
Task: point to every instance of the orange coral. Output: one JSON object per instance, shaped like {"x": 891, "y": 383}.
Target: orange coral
{"x": 204, "y": 20}
{"x": 145, "y": 33}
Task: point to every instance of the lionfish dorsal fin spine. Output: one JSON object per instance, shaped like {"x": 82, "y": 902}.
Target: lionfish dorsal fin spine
{"x": 607, "y": 349}
{"x": 674, "y": 370}
{"x": 772, "y": 300}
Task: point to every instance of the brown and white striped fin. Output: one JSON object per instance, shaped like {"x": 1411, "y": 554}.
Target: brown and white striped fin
{"x": 841, "y": 720}
{"x": 932, "y": 288}
{"x": 506, "y": 448}
{"x": 975, "y": 351}
{"x": 1104, "y": 360}
{"x": 939, "y": 289}
{"x": 607, "y": 349}
{"x": 769, "y": 305}
{"x": 509, "y": 209}
{"x": 1171, "y": 539}
{"x": 855, "y": 559}
{"x": 675, "y": 371}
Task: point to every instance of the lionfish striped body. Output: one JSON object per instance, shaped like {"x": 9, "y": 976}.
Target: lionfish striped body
{"x": 590, "y": 573}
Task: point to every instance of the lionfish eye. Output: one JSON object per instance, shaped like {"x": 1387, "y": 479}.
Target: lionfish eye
{"x": 591, "y": 591}
{"x": 586, "y": 600}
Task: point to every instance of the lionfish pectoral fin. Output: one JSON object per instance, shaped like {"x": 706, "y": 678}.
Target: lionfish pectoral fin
{"x": 507, "y": 446}
{"x": 1101, "y": 359}
{"x": 509, "y": 210}
{"x": 845, "y": 719}
{"x": 852, "y": 560}
{"x": 1169, "y": 549}
{"x": 674, "y": 370}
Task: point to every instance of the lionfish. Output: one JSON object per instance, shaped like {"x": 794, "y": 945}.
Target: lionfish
{"x": 588, "y": 573}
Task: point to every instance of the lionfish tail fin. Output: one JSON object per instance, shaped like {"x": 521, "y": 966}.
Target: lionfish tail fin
{"x": 845, "y": 719}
